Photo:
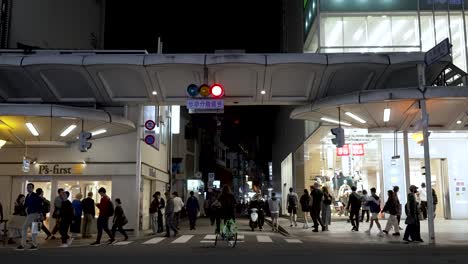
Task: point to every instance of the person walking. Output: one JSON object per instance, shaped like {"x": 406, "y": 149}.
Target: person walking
{"x": 33, "y": 206}
{"x": 423, "y": 198}
{"x": 45, "y": 211}
{"x": 16, "y": 222}
{"x": 354, "y": 206}
{"x": 396, "y": 190}
{"x": 89, "y": 212}
{"x": 374, "y": 206}
{"x": 192, "y": 210}
{"x": 365, "y": 208}
{"x": 305, "y": 206}
{"x": 326, "y": 209}
{"x": 162, "y": 205}
{"x": 66, "y": 219}
{"x": 317, "y": 197}
{"x": 274, "y": 207}
{"x": 178, "y": 205}
{"x": 120, "y": 220}
{"x": 435, "y": 201}
{"x": 169, "y": 213}
{"x": 413, "y": 231}
{"x": 153, "y": 210}
{"x": 106, "y": 210}
{"x": 75, "y": 227}
{"x": 292, "y": 201}
{"x": 391, "y": 209}
{"x": 56, "y": 213}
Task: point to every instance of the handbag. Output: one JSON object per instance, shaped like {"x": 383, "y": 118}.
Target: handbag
{"x": 36, "y": 228}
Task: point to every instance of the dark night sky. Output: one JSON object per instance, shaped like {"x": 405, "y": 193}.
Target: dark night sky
{"x": 197, "y": 26}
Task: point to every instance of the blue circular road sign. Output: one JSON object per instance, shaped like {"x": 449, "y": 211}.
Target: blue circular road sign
{"x": 150, "y": 139}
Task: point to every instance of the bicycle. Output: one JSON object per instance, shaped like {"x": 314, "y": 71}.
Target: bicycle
{"x": 228, "y": 233}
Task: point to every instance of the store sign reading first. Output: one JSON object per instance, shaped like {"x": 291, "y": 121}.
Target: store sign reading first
{"x": 59, "y": 170}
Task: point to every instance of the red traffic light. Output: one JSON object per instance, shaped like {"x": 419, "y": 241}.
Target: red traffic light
{"x": 217, "y": 90}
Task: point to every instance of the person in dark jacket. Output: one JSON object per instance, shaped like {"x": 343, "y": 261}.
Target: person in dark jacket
{"x": 305, "y": 207}
{"x": 89, "y": 212}
{"x": 56, "y": 213}
{"x": 192, "y": 210}
{"x": 45, "y": 210}
{"x": 119, "y": 220}
{"x": 317, "y": 197}
{"x": 413, "y": 228}
{"x": 105, "y": 211}
{"x": 162, "y": 205}
{"x": 354, "y": 203}
{"x": 391, "y": 209}
{"x": 66, "y": 218}
{"x": 33, "y": 205}
{"x": 228, "y": 204}
{"x": 153, "y": 210}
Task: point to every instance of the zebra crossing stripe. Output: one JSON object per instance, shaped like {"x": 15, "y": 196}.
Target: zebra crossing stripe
{"x": 182, "y": 239}
{"x": 154, "y": 241}
{"x": 210, "y": 237}
{"x": 122, "y": 243}
{"x": 294, "y": 241}
{"x": 264, "y": 239}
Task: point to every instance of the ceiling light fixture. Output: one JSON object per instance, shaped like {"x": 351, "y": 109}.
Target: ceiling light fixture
{"x": 386, "y": 115}
{"x": 68, "y": 130}
{"x": 459, "y": 122}
{"x": 263, "y": 92}
{"x": 355, "y": 117}
{"x": 155, "y": 93}
{"x": 326, "y": 119}
{"x": 98, "y": 132}
{"x": 32, "y": 129}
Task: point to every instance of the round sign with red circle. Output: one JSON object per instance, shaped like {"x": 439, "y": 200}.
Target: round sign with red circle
{"x": 150, "y": 124}
{"x": 150, "y": 139}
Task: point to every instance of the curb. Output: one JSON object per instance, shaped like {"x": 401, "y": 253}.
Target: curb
{"x": 281, "y": 230}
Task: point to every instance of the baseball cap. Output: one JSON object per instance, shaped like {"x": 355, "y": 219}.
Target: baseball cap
{"x": 413, "y": 187}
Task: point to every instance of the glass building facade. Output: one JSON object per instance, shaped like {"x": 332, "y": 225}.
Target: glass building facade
{"x": 341, "y": 26}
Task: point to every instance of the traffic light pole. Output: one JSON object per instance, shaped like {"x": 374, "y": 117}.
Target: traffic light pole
{"x": 427, "y": 158}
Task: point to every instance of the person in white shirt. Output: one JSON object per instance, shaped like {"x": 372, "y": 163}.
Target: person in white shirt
{"x": 423, "y": 198}
{"x": 178, "y": 205}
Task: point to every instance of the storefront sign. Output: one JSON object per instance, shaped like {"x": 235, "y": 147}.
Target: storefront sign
{"x": 60, "y": 170}
{"x": 356, "y": 150}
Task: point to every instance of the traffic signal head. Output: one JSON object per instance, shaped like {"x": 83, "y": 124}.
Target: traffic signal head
{"x": 204, "y": 90}
{"x": 339, "y": 139}
{"x": 192, "y": 90}
{"x": 217, "y": 90}
{"x": 84, "y": 144}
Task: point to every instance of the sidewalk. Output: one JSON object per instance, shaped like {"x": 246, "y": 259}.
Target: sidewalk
{"x": 448, "y": 232}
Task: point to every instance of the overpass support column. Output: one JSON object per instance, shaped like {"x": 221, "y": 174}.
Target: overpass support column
{"x": 406, "y": 159}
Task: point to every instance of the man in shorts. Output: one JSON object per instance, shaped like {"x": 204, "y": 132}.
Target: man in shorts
{"x": 274, "y": 206}
{"x": 374, "y": 205}
{"x": 292, "y": 202}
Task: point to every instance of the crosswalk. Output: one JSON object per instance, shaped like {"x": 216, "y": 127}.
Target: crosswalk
{"x": 210, "y": 239}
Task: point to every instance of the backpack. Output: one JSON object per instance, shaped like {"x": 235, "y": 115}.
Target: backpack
{"x": 111, "y": 208}
{"x": 292, "y": 200}
{"x": 45, "y": 206}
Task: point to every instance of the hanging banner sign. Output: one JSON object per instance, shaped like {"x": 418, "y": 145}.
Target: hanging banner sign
{"x": 344, "y": 151}
{"x": 357, "y": 149}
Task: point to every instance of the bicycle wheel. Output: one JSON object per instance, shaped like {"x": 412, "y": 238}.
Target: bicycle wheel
{"x": 232, "y": 241}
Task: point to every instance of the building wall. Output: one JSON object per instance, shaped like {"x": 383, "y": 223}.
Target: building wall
{"x": 57, "y": 24}
{"x": 293, "y": 26}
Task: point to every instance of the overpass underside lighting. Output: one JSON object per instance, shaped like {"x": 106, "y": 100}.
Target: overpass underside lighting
{"x": 386, "y": 115}
{"x": 68, "y": 130}
{"x": 355, "y": 117}
{"x": 32, "y": 129}
{"x": 326, "y": 119}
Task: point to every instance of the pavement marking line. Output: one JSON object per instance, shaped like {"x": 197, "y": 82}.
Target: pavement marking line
{"x": 210, "y": 237}
{"x": 154, "y": 241}
{"x": 264, "y": 239}
{"x": 183, "y": 239}
{"x": 240, "y": 237}
{"x": 293, "y": 241}
{"x": 122, "y": 243}
{"x": 212, "y": 242}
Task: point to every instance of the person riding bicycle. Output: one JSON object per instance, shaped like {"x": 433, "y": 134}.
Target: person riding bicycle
{"x": 228, "y": 206}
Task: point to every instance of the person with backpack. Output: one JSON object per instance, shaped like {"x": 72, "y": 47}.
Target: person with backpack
{"x": 45, "y": 211}
{"x": 106, "y": 210}
{"x": 391, "y": 209}
{"x": 119, "y": 220}
{"x": 374, "y": 205}
{"x": 292, "y": 201}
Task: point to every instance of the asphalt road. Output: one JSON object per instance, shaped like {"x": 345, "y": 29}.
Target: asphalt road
{"x": 250, "y": 251}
